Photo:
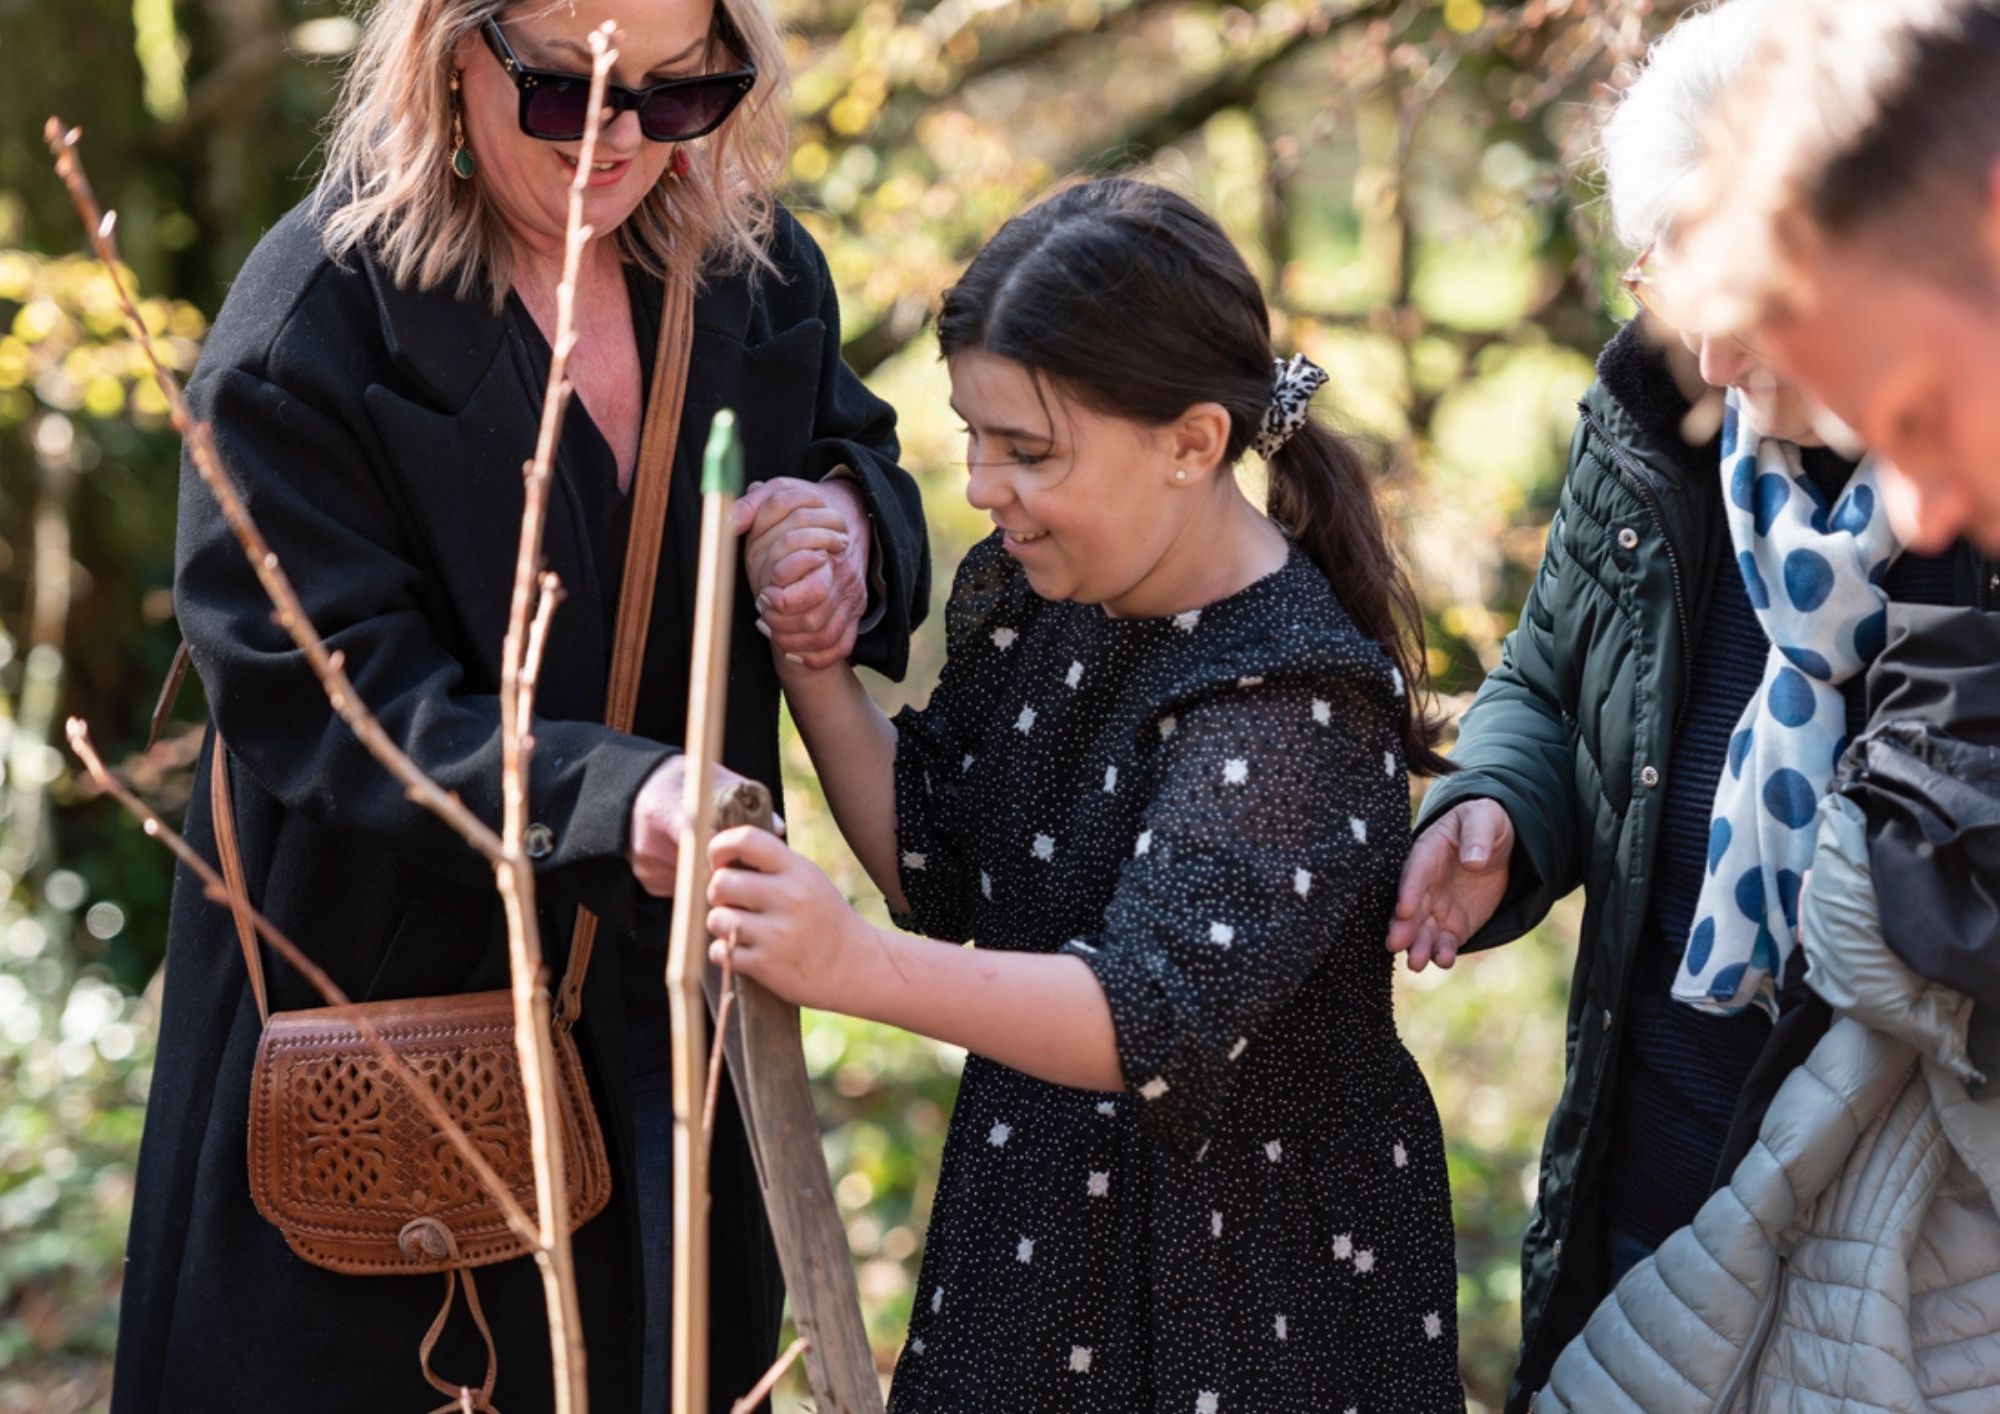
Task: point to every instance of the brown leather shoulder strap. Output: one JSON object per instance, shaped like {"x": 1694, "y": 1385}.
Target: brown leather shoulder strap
{"x": 232, "y": 871}
{"x": 652, "y": 482}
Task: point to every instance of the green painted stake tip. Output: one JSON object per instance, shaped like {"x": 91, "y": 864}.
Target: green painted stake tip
{"x": 722, "y": 463}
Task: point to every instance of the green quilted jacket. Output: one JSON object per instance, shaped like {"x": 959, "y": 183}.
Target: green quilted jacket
{"x": 1572, "y": 735}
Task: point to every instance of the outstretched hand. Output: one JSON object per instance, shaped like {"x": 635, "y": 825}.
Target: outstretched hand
{"x": 790, "y": 927}
{"x": 806, "y": 556}
{"x": 1452, "y": 883}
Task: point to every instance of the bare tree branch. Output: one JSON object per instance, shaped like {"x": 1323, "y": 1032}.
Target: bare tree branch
{"x": 513, "y": 871}
{"x": 869, "y": 346}
{"x": 771, "y": 1377}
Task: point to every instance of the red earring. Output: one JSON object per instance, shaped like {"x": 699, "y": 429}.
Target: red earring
{"x": 677, "y": 167}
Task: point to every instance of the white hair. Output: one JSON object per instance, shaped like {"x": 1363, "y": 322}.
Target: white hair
{"x": 1653, "y": 143}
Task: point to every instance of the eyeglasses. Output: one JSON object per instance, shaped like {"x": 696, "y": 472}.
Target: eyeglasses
{"x": 555, "y": 106}
{"x": 1637, "y": 282}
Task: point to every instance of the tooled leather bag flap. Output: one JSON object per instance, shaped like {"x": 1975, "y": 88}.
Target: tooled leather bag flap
{"x": 342, "y": 1159}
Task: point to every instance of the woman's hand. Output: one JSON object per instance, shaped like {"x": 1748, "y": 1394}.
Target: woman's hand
{"x": 1452, "y": 882}
{"x": 659, "y": 819}
{"x": 806, "y": 557}
{"x": 791, "y": 928}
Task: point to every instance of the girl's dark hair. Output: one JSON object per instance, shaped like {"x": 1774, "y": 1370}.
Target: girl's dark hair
{"x": 1131, "y": 300}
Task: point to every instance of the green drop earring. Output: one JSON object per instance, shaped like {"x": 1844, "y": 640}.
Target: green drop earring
{"x": 463, "y": 164}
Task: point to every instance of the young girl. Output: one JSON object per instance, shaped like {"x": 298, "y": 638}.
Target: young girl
{"x": 1162, "y": 783}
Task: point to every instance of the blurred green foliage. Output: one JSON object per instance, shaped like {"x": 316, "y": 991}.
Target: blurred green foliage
{"x": 1403, "y": 173}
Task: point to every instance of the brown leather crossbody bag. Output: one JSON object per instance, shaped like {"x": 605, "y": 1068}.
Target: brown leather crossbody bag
{"x": 342, "y": 1160}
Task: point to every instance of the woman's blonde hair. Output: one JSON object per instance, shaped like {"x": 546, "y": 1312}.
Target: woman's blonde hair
{"x": 388, "y": 183}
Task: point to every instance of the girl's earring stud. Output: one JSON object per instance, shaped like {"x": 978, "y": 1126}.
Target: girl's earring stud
{"x": 1180, "y": 473}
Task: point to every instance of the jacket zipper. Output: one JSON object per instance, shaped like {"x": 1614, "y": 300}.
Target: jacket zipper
{"x": 1630, "y": 470}
{"x": 1742, "y": 1380}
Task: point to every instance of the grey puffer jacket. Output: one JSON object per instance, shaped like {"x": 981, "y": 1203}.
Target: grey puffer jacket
{"x": 1853, "y": 1262}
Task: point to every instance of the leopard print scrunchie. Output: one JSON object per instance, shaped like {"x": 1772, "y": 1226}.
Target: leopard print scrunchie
{"x": 1292, "y": 387}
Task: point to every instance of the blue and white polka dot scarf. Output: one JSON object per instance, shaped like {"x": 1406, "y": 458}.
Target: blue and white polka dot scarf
{"x": 1814, "y": 574}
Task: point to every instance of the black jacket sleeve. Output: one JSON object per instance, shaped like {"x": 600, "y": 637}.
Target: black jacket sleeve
{"x": 309, "y": 481}
{"x": 854, "y": 428}
{"x": 1514, "y": 747}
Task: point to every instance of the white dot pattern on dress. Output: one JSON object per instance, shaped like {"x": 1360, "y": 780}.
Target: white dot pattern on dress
{"x": 1156, "y": 837}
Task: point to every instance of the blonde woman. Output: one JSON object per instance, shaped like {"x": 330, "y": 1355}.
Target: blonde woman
{"x": 374, "y": 381}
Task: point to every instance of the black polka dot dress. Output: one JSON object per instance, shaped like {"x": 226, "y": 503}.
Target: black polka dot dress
{"x": 1210, "y": 811}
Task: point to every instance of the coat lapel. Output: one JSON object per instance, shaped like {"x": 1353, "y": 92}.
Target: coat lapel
{"x": 464, "y": 420}
{"x": 458, "y": 433}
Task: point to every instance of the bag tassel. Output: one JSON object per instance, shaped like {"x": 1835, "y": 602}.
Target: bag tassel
{"x": 429, "y": 1239}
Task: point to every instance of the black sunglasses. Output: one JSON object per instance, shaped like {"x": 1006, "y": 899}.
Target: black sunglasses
{"x": 555, "y": 105}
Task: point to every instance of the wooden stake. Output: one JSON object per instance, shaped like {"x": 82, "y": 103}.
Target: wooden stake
{"x": 687, "y": 951}
{"x": 775, "y": 1095}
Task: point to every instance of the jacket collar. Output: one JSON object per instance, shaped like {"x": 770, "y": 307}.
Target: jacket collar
{"x": 1633, "y": 371}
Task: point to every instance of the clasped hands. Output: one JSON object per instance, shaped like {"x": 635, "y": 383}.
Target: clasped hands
{"x": 805, "y": 555}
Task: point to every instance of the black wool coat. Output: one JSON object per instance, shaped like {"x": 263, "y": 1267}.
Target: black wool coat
{"x": 378, "y": 434}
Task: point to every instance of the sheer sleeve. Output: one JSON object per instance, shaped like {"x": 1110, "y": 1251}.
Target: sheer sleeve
{"x": 937, "y": 745}
{"x": 1256, "y": 853}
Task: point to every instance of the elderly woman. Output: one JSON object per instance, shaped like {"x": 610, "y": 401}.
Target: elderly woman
{"x": 374, "y": 382}
{"x": 1621, "y": 745}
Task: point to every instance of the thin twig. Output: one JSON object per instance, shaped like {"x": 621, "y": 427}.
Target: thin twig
{"x": 326, "y": 663}
{"x": 538, "y": 641}
{"x": 722, "y": 1010}
{"x": 520, "y": 669}
{"x": 216, "y": 889}
{"x": 771, "y": 1377}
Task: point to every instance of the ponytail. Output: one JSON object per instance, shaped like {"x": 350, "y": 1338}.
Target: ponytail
{"x": 1321, "y": 494}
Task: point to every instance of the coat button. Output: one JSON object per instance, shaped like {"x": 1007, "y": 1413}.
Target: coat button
{"x": 1629, "y": 538}
{"x": 1559, "y": 1247}
{"x": 539, "y": 841}
{"x": 1607, "y": 1018}
{"x": 1649, "y": 777}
